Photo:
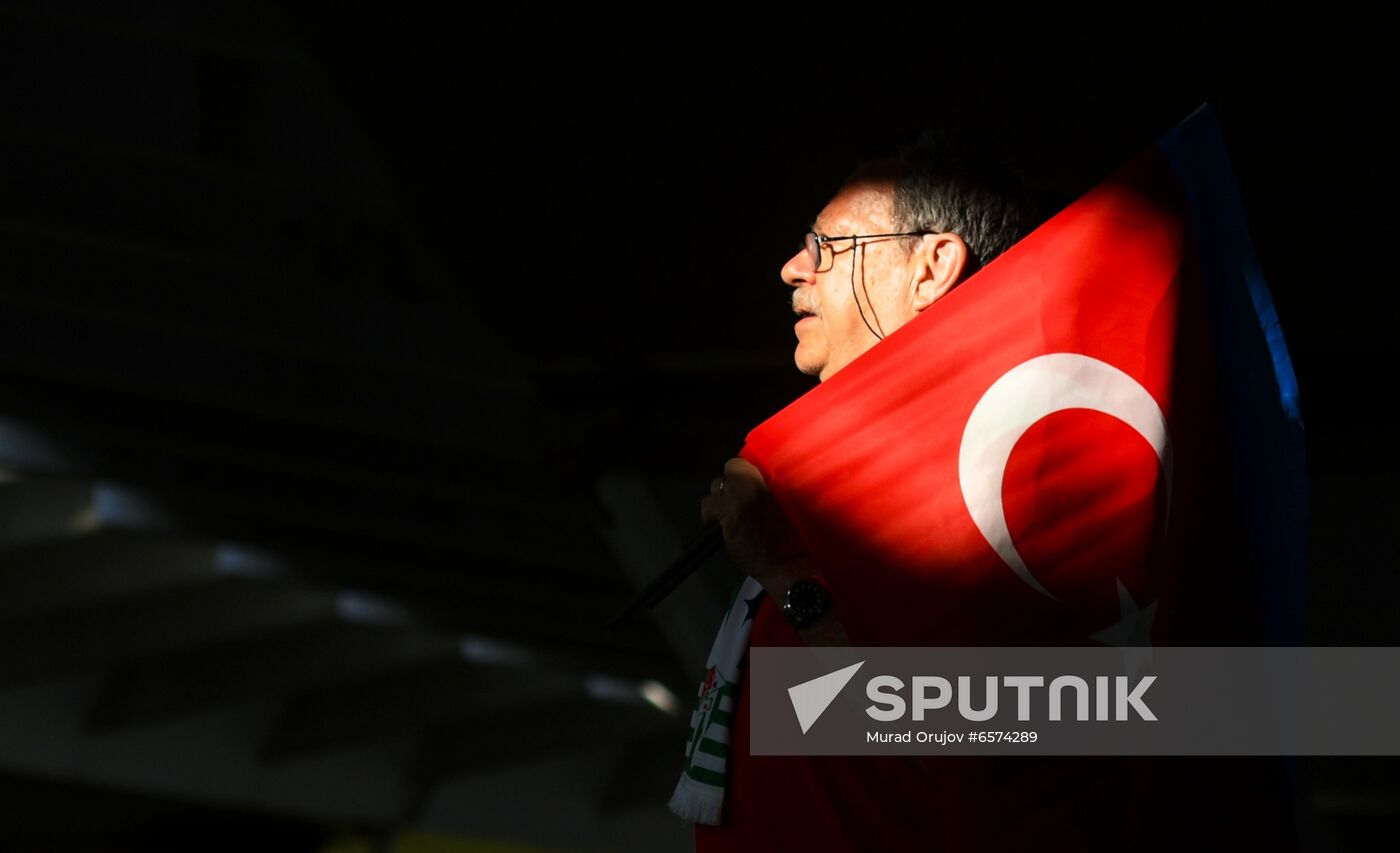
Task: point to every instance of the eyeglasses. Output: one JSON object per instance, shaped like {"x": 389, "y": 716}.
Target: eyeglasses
{"x": 813, "y": 242}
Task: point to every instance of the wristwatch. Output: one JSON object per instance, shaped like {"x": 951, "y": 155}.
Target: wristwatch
{"x": 806, "y": 601}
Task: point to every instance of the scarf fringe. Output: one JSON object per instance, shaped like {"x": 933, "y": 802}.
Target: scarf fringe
{"x": 697, "y": 802}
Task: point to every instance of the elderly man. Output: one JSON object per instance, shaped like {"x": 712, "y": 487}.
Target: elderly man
{"x": 898, "y": 236}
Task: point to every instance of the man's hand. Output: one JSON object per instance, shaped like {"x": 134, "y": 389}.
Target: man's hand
{"x": 756, "y": 533}
{"x": 763, "y": 542}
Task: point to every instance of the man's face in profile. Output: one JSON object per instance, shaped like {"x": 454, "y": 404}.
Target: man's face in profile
{"x": 831, "y": 333}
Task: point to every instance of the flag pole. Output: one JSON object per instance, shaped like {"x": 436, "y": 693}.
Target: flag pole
{"x": 696, "y": 552}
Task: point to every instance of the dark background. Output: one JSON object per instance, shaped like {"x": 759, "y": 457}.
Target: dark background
{"x": 355, "y": 363}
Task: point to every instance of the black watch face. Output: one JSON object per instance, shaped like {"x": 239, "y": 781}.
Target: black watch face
{"x": 806, "y": 602}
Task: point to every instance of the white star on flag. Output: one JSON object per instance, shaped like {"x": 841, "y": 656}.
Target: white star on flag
{"x": 1133, "y": 631}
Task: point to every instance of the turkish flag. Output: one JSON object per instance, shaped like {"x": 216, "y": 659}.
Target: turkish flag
{"x": 1043, "y": 456}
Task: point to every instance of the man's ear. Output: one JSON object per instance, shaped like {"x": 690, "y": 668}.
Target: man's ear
{"x": 938, "y": 264}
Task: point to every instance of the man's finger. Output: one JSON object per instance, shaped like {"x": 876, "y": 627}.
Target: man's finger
{"x": 742, "y": 481}
{"x": 742, "y": 468}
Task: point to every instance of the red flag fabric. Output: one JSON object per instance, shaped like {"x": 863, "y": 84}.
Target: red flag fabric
{"x": 1000, "y": 470}
{"x": 1036, "y": 459}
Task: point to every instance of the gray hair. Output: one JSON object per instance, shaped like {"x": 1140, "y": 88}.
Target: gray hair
{"x": 942, "y": 183}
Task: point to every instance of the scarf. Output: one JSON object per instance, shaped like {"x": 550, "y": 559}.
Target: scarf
{"x": 699, "y": 794}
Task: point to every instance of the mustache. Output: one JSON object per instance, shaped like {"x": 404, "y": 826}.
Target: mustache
{"x": 803, "y": 304}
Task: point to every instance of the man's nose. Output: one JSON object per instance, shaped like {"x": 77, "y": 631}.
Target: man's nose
{"x": 799, "y": 270}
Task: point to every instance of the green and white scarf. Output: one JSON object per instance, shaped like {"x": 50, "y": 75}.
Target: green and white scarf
{"x": 699, "y": 795}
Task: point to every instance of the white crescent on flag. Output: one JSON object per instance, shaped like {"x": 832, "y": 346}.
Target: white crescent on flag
{"x": 1019, "y": 399}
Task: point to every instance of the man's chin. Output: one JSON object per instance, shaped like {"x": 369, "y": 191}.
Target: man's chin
{"x": 808, "y": 367}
